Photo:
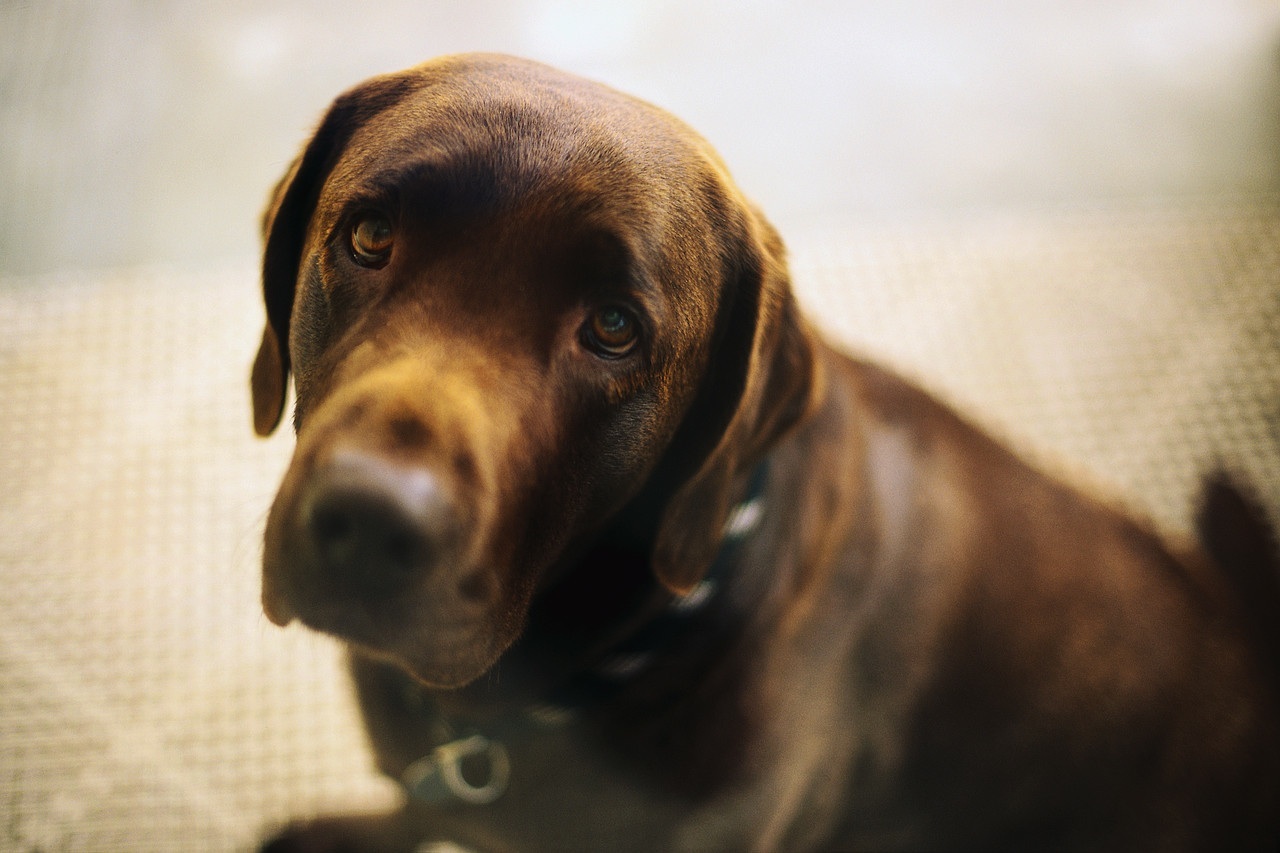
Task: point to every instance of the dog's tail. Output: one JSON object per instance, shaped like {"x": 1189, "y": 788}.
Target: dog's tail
{"x": 1234, "y": 529}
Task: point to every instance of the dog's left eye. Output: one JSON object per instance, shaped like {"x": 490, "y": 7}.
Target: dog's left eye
{"x": 612, "y": 332}
{"x": 371, "y": 240}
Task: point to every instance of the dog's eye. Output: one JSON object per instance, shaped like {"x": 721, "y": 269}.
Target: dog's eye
{"x": 612, "y": 332}
{"x": 371, "y": 240}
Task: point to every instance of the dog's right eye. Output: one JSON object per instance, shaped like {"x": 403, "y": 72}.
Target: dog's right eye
{"x": 612, "y": 332}
{"x": 371, "y": 240}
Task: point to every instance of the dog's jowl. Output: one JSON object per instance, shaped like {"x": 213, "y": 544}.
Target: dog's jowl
{"x": 627, "y": 557}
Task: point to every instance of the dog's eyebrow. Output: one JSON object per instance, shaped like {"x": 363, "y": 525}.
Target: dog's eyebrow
{"x": 440, "y": 185}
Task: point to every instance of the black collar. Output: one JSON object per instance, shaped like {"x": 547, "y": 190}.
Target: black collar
{"x": 632, "y": 656}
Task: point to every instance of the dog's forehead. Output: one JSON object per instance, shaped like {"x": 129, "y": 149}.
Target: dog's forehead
{"x": 497, "y": 129}
{"x": 484, "y": 148}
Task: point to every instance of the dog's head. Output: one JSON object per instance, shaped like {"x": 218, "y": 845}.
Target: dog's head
{"x": 510, "y": 300}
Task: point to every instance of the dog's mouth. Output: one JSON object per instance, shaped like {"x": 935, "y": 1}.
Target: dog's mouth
{"x": 440, "y": 642}
{"x": 439, "y": 652}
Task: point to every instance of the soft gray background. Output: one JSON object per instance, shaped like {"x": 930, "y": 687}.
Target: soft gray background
{"x": 1063, "y": 215}
{"x": 150, "y": 131}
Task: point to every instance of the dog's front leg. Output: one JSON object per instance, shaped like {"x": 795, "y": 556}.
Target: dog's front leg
{"x": 406, "y": 830}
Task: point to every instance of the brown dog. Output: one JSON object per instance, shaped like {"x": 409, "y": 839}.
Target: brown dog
{"x": 628, "y": 558}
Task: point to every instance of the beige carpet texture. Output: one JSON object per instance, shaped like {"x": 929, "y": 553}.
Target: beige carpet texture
{"x": 147, "y": 705}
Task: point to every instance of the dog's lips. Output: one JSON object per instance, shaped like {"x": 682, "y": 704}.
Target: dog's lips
{"x": 434, "y": 642}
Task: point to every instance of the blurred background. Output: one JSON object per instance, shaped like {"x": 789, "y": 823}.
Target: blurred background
{"x": 1062, "y": 215}
{"x": 142, "y": 132}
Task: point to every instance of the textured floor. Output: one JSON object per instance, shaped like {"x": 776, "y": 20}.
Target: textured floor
{"x": 145, "y": 704}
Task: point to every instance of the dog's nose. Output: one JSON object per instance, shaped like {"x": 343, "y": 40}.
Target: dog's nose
{"x": 375, "y": 524}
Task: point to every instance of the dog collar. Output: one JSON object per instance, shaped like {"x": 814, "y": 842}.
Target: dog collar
{"x": 438, "y": 776}
{"x": 634, "y": 654}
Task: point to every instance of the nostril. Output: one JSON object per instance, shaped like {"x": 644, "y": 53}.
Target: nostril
{"x": 402, "y": 549}
{"x": 330, "y": 526}
{"x": 332, "y": 531}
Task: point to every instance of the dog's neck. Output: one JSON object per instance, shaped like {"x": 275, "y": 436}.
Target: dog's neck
{"x": 606, "y": 622}
{"x": 658, "y": 622}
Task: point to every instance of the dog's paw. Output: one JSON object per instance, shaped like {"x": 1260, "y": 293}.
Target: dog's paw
{"x": 314, "y": 837}
{"x": 354, "y": 834}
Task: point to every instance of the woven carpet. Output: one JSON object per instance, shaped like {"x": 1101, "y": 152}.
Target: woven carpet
{"x": 145, "y": 704}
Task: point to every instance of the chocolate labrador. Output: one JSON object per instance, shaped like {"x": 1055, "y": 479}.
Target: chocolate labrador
{"x": 627, "y": 557}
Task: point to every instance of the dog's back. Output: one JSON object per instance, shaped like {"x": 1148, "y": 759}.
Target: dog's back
{"x": 1235, "y": 532}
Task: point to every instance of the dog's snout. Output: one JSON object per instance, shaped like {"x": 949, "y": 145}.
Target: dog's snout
{"x": 375, "y": 524}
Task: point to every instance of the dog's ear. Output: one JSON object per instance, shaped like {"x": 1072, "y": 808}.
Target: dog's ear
{"x": 762, "y": 379}
{"x": 269, "y": 381}
{"x": 284, "y": 231}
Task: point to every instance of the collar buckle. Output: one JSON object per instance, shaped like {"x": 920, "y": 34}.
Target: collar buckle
{"x": 438, "y": 777}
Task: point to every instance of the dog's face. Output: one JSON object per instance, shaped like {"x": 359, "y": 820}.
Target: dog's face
{"x": 508, "y": 297}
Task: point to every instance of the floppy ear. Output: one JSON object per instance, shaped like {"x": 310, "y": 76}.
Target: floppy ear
{"x": 284, "y": 230}
{"x": 762, "y": 380}
{"x": 269, "y": 381}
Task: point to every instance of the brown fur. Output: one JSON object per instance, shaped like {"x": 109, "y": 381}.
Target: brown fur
{"x": 925, "y": 644}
